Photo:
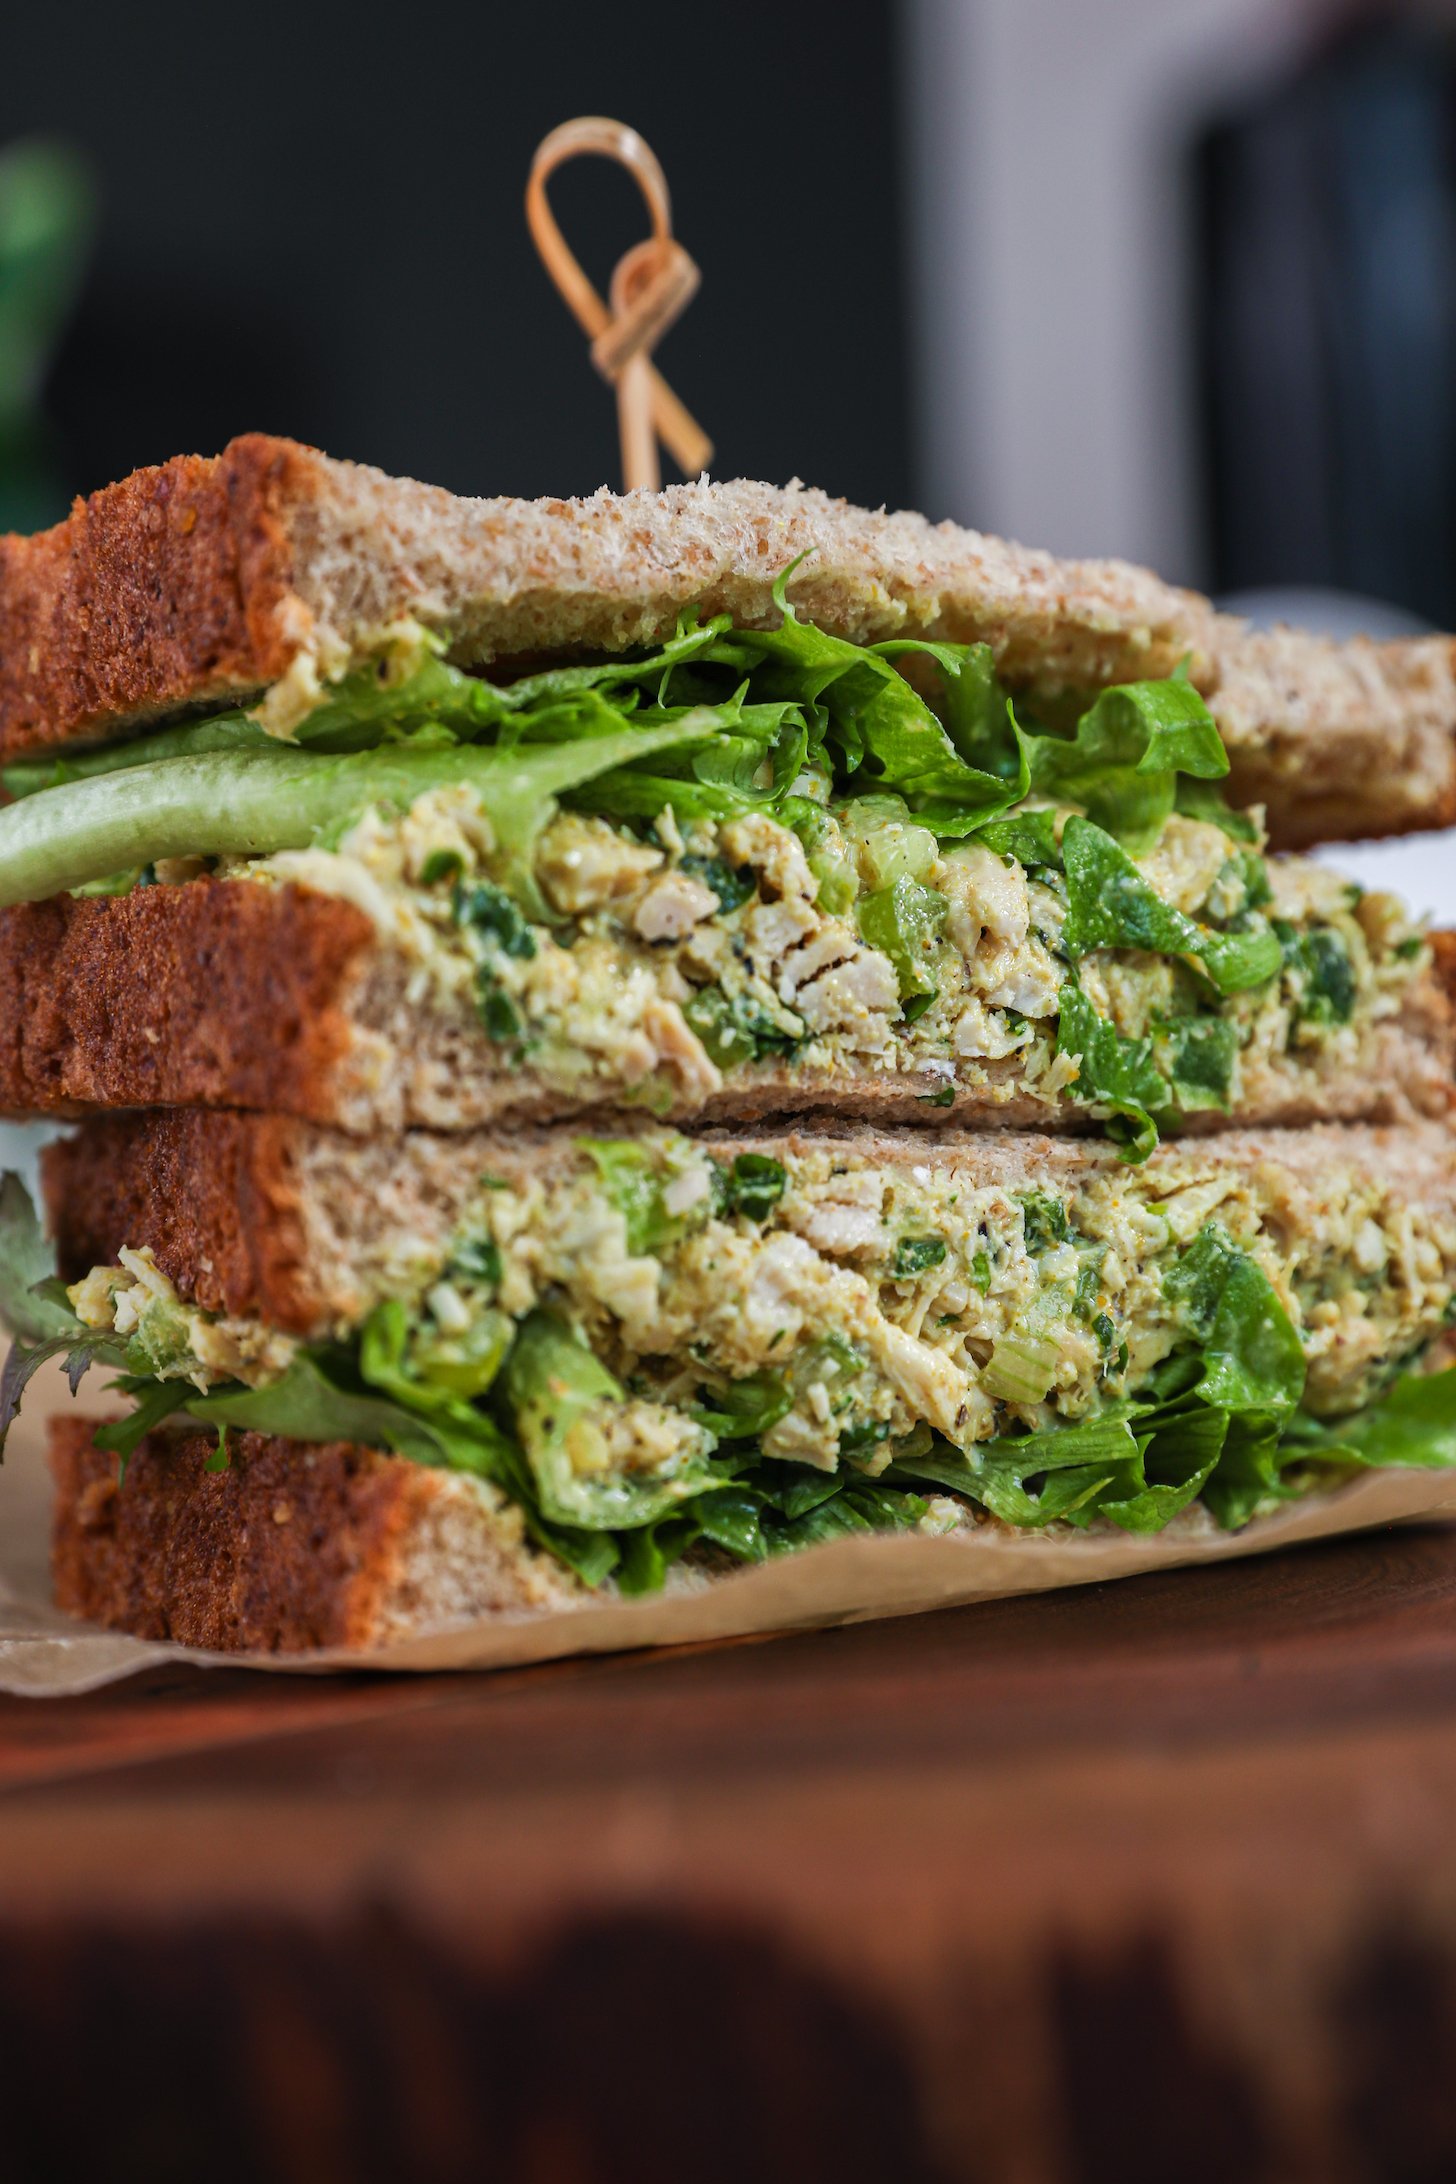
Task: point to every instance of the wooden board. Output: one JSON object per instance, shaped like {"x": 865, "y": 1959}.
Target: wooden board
{"x": 1150, "y": 1881}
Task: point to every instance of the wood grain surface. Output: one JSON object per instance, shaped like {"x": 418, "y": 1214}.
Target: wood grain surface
{"x": 1150, "y": 1881}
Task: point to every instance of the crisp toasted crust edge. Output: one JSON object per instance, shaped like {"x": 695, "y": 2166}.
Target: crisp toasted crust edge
{"x": 172, "y": 588}
{"x": 206, "y": 994}
{"x": 295, "y": 1547}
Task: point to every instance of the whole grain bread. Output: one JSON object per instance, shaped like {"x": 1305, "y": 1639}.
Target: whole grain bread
{"x": 205, "y": 580}
{"x": 293, "y": 1548}
{"x": 264, "y": 1217}
{"x": 224, "y": 994}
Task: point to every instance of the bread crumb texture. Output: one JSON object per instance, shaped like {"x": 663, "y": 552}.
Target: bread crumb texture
{"x": 294, "y": 1547}
{"x": 205, "y": 580}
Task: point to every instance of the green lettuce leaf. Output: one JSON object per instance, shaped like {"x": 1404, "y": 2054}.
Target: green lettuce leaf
{"x": 27, "y": 1267}
{"x": 554, "y": 1385}
{"x": 1111, "y": 905}
{"x": 246, "y": 803}
{"x": 881, "y": 732}
{"x": 1117, "y": 1074}
{"x": 1253, "y": 1360}
{"x": 1123, "y": 762}
{"x": 1413, "y": 1423}
{"x": 312, "y": 1401}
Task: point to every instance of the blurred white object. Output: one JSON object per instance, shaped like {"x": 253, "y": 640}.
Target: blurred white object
{"x": 1330, "y": 613}
{"x": 20, "y": 1144}
{"x": 1421, "y": 868}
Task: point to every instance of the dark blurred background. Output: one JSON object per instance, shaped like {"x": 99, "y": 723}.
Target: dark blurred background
{"x": 1168, "y": 278}
{"x": 309, "y": 221}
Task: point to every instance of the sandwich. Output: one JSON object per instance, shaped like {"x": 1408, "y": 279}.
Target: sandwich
{"x": 538, "y": 1365}
{"x": 338, "y": 797}
{"x": 614, "y": 1041}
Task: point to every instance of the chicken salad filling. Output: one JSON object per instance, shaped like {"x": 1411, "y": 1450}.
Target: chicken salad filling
{"x": 662, "y": 1347}
{"x": 762, "y": 853}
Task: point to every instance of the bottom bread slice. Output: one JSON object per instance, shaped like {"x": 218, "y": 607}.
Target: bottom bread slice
{"x": 292, "y": 1548}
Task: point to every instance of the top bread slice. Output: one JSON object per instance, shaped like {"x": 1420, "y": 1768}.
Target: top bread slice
{"x": 204, "y": 581}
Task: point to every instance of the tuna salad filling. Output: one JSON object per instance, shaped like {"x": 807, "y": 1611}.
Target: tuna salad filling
{"x": 771, "y": 858}
{"x": 657, "y": 1346}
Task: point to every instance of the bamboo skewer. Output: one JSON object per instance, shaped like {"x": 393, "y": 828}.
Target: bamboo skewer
{"x": 652, "y": 284}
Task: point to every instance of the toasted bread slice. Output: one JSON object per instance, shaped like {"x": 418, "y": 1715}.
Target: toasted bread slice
{"x": 206, "y": 580}
{"x": 293, "y": 1548}
{"x": 222, "y": 994}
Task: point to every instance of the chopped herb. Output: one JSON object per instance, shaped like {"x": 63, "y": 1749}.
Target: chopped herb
{"x": 1409, "y": 948}
{"x": 753, "y": 1186}
{"x": 441, "y": 864}
{"x": 945, "y": 1097}
{"x": 981, "y": 1272}
{"x": 738, "y": 1030}
{"x": 1089, "y": 1278}
{"x": 914, "y": 1254}
{"x": 490, "y": 912}
{"x": 1198, "y": 1055}
{"x": 1043, "y": 1221}
{"x": 867, "y": 1434}
{"x": 477, "y": 1259}
{"x": 498, "y": 1012}
{"x": 1247, "y": 872}
{"x": 1324, "y": 976}
{"x": 732, "y": 889}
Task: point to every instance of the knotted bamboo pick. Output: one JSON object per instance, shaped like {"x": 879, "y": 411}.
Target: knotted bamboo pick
{"x": 652, "y": 284}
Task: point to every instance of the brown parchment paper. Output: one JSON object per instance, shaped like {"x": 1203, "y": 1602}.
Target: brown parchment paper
{"x": 44, "y": 1654}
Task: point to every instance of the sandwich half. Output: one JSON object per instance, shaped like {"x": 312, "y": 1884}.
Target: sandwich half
{"x": 382, "y": 1386}
{"x": 334, "y": 796}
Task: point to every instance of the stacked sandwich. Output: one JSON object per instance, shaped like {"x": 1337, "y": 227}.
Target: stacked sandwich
{"x": 612, "y": 1040}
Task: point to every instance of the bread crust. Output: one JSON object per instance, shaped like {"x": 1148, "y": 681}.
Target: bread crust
{"x": 176, "y": 1552}
{"x": 218, "y": 1197}
{"x": 199, "y": 995}
{"x": 169, "y": 589}
{"x": 293, "y": 1548}
{"x": 204, "y": 579}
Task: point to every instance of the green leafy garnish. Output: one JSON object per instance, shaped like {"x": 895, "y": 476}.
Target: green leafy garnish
{"x": 904, "y": 922}
{"x": 1044, "y": 1220}
{"x": 1123, "y": 762}
{"x": 753, "y": 1185}
{"x": 1111, "y": 905}
{"x": 913, "y": 1255}
{"x": 1117, "y": 1073}
{"x": 632, "y": 1181}
{"x": 1323, "y": 975}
